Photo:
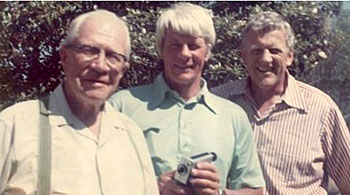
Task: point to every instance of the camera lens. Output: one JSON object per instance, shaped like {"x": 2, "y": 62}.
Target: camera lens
{"x": 182, "y": 169}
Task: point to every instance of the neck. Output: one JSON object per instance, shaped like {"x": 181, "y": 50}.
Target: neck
{"x": 87, "y": 112}
{"x": 265, "y": 98}
{"x": 186, "y": 91}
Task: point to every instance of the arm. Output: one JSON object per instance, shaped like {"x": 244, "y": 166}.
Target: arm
{"x": 5, "y": 154}
{"x": 336, "y": 144}
{"x": 245, "y": 170}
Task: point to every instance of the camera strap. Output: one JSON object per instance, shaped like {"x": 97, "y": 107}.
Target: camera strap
{"x": 44, "y": 161}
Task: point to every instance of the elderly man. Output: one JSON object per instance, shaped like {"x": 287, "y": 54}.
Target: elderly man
{"x": 180, "y": 117}
{"x": 301, "y": 135}
{"x": 94, "y": 149}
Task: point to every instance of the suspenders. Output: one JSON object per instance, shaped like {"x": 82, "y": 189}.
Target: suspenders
{"x": 44, "y": 161}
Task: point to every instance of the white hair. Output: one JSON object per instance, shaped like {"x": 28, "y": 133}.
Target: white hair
{"x": 185, "y": 18}
{"x": 74, "y": 27}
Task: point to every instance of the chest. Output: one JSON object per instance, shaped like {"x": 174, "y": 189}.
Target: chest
{"x": 80, "y": 163}
{"x": 184, "y": 131}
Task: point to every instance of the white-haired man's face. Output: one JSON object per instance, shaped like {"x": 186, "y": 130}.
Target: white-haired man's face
{"x": 95, "y": 62}
{"x": 184, "y": 57}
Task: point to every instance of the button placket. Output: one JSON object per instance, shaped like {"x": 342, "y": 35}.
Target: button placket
{"x": 184, "y": 130}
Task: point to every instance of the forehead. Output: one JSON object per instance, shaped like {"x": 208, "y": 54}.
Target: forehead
{"x": 172, "y": 35}
{"x": 276, "y": 38}
{"x": 109, "y": 33}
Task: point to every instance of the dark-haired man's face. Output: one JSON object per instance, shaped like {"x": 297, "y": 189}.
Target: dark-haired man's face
{"x": 266, "y": 58}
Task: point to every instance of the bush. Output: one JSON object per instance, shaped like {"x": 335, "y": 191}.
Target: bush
{"x": 31, "y": 33}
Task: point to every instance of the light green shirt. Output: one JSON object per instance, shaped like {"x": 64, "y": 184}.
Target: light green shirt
{"x": 118, "y": 162}
{"x": 206, "y": 123}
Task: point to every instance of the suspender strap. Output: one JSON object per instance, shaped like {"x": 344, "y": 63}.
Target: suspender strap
{"x": 44, "y": 164}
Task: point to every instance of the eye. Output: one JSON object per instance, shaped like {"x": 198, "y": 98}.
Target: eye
{"x": 275, "y": 51}
{"x": 193, "y": 46}
{"x": 115, "y": 57}
{"x": 88, "y": 50}
{"x": 175, "y": 45}
{"x": 257, "y": 51}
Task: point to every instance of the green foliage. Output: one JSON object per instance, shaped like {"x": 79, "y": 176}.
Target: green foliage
{"x": 333, "y": 76}
{"x": 30, "y": 34}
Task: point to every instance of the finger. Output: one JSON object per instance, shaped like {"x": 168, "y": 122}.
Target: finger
{"x": 200, "y": 191}
{"x": 167, "y": 185}
{"x": 204, "y": 183}
{"x": 166, "y": 176}
{"x": 205, "y": 174}
{"x": 179, "y": 189}
{"x": 206, "y": 166}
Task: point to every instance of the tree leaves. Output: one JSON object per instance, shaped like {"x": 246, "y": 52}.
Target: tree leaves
{"x": 30, "y": 35}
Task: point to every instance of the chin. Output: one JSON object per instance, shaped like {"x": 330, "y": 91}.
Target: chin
{"x": 185, "y": 80}
{"x": 97, "y": 97}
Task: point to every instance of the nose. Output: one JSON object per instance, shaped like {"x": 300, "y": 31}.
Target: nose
{"x": 185, "y": 52}
{"x": 266, "y": 56}
{"x": 100, "y": 62}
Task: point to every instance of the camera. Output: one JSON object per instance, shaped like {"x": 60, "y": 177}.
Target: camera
{"x": 186, "y": 164}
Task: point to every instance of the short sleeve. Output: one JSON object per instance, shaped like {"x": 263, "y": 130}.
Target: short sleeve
{"x": 245, "y": 171}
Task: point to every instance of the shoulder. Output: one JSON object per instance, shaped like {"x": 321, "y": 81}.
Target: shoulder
{"x": 231, "y": 87}
{"x": 131, "y": 127}
{"x": 21, "y": 109}
{"x": 132, "y": 94}
{"x": 127, "y": 121}
{"x": 227, "y": 107}
{"x": 127, "y": 100}
{"x": 314, "y": 95}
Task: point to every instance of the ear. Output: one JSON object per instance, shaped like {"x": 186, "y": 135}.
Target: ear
{"x": 126, "y": 67}
{"x": 290, "y": 58}
{"x": 207, "y": 56}
{"x": 161, "y": 53}
{"x": 243, "y": 54}
{"x": 63, "y": 56}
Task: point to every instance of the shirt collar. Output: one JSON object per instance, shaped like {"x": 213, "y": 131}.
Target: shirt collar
{"x": 162, "y": 89}
{"x": 292, "y": 96}
{"x": 61, "y": 113}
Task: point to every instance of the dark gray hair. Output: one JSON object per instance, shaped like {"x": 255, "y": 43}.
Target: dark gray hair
{"x": 265, "y": 22}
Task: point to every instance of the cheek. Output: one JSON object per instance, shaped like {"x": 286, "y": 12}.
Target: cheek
{"x": 279, "y": 62}
{"x": 115, "y": 76}
{"x": 200, "y": 58}
{"x": 73, "y": 66}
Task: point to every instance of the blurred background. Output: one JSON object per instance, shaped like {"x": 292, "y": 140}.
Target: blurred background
{"x": 31, "y": 32}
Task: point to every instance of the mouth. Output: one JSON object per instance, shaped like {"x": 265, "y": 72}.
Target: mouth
{"x": 183, "y": 67}
{"x": 264, "y": 70}
{"x": 95, "y": 81}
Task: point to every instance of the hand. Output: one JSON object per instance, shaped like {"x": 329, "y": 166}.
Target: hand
{"x": 168, "y": 186}
{"x": 205, "y": 179}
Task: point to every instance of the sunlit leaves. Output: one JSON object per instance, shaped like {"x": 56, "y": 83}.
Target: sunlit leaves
{"x": 30, "y": 34}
